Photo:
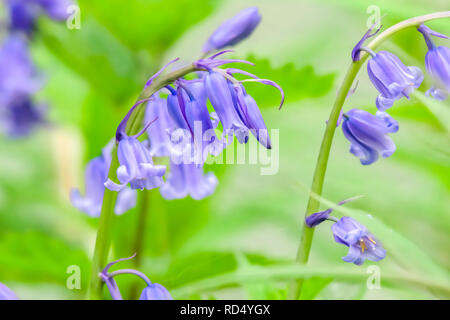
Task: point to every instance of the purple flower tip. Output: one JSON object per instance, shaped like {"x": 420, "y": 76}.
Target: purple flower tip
{"x": 392, "y": 78}
{"x": 361, "y": 243}
{"x": 368, "y": 134}
{"x": 357, "y": 49}
{"x": 319, "y": 217}
{"x": 234, "y": 30}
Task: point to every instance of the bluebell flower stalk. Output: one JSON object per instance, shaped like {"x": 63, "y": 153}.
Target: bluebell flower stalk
{"x": 233, "y": 30}
{"x": 437, "y": 63}
{"x": 6, "y": 293}
{"x": 307, "y": 233}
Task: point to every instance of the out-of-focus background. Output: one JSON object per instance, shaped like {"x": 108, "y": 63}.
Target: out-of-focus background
{"x": 199, "y": 249}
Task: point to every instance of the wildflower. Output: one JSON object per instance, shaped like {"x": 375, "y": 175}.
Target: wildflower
{"x": 234, "y": 30}
{"x": 368, "y": 134}
{"x": 159, "y": 132}
{"x": 20, "y": 117}
{"x": 18, "y": 75}
{"x": 249, "y": 113}
{"x": 188, "y": 179}
{"x": 23, "y": 14}
{"x": 136, "y": 167}
{"x": 319, "y": 217}
{"x": 391, "y": 78}
{"x": 358, "y": 48}
{"x": 220, "y": 96}
{"x": 437, "y": 63}
{"x": 6, "y": 293}
{"x": 192, "y": 99}
{"x": 362, "y": 244}
{"x": 95, "y": 177}
{"x": 153, "y": 291}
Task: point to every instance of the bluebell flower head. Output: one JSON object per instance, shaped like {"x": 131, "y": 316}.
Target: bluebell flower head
{"x": 368, "y": 134}
{"x": 319, "y": 217}
{"x": 6, "y": 293}
{"x": 95, "y": 177}
{"x": 437, "y": 63}
{"x": 23, "y": 13}
{"x": 392, "y": 78}
{"x": 155, "y": 291}
{"x": 361, "y": 243}
{"x": 233, "y": 30}
{"x": 188, "y": 179}
{"x": 18, "y": 75}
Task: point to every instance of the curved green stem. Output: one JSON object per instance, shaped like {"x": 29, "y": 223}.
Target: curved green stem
{"x": 103, "y": 240}
{"x": 322, "y": 160}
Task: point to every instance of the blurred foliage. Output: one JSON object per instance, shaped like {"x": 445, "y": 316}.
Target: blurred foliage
{"x": 240, "y": 242}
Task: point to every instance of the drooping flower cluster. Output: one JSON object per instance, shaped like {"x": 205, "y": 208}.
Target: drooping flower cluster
{"x": 368, "y": 133}
{"x": 349, "y": 232}
{"x": 153, "y": 291}
{"x": 19, "y": 79}
{"x": 183, "y": 129}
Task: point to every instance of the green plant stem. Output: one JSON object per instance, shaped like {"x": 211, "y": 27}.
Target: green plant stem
{"x": 322, "y": 160}
{"x": 103, "y": 240}
{"x": 141, "y": 227}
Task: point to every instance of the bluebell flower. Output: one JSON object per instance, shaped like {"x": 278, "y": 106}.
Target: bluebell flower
{"x": 437, "y": 63}
{"x": 18, "y": 76}
{"x": 392, "y": 78}
{"x": 234, "y": 30}
{"x": 136, "y": 167}
{"x": 201, "y": 123}
{"x": 155, "y": 291}
{"x": 6, "y": 293}
{"x": 188, "y": 179}
{"x": 23, "y": 13}
{"x": 20, "y": 117}
{"x": 368, "y": 134}
{"x": 361, "y": 243}
{"x": 250, "y": 114}
{"x": 219, "y": 94}
{"x": 159, "y": 132}
{"x": 317, "y": 218}
{"x": 95, "y": 177}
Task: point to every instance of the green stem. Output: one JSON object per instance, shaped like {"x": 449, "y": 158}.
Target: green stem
{"x": 141, "y": 226}
{"x": 103, "y": 240}
{"x": 322, "y": 160}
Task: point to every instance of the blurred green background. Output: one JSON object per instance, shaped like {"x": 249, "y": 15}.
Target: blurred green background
{"x": 240, "y": 242}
